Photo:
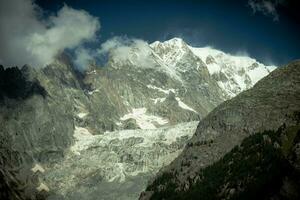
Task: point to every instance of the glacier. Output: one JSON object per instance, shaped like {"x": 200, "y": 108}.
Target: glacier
{"x": 114, "y": 161}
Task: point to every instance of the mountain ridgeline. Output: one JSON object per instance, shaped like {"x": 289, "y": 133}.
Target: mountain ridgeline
{"x": 93, "y": 122}
{"x": 264, "y": 166}
{"x": 247, "y": 147}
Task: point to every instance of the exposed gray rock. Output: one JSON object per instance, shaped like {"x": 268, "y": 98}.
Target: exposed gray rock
{"x": 271, "y": 103}
{"x": 130, "y": 124}
{"x": 40, "y": 108}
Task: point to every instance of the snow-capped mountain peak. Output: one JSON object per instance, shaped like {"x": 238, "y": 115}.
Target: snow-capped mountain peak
{"x": 172, "y": 42}
{"x": 170, "y": 51}
{"x": 233, "y": 73}
{"x": 175, "y": 58}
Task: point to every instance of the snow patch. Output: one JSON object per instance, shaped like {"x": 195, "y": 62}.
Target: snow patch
{"x": 158, "y": 100}
{"x": 119, "y": 123}
{"x": 93, "y": 91}
{"x": 166, "y": 91}
{"x": 240, "y": 81}
{"x": 259, "y": 72}
{"x": 226, "y": 87}
{"x": 82, "y": 115}
{"x": 184, "y": 106}
{"x": 43, "y": 187}
{"x": 37, "y": 168}
{"x": 213, "y": 68}
{"x": 83, "y": 139}
{"x": 143, "y": 120}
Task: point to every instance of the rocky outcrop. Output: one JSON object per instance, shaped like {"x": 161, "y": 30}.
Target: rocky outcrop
{"x": 271, "y": 103}
{"x": 36, "y": 123}
{"x": 16, "y": 84}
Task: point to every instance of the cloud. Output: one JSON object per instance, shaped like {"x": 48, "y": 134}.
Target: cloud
{"x": 28, "y": 38}
{"x": 84, "y": 57}
{"x": 125, "y": 50}
{"x": 266, "y": 7}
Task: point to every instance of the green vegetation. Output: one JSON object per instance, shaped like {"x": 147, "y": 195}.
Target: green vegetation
{"x": 255, "y": 169}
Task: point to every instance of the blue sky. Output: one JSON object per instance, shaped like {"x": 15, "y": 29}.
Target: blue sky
{"x": 232, "y": 26}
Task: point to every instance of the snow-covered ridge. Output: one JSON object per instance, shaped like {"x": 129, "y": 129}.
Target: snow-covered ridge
{"x": 233, "y": 73}
{"x": 170, "y": 51}
{"x": 236, "y": 73}
{"x": 213, "y": 56}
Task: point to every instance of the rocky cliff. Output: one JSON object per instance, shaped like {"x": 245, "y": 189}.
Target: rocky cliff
{"x": 36, "y": 122}
{"x": 271, "y": 103}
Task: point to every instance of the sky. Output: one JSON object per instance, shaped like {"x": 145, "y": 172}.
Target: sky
{"x": 231, "y": 26}
{"x": 267, "y": 30}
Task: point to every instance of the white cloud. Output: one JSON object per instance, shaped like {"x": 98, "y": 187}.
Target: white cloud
{"x": 83, "y": 57}
{"x": 267, "y": 7}
{"x": 26, "y": 39}
{"x": 121, "y": 49}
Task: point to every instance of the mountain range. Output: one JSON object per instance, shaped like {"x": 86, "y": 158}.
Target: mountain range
{"x": 273, "y": 104}
{"x": 115, "y": 126}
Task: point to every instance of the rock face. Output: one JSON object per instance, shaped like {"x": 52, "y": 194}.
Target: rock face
{"x": 272, "y": 102}
{"x": 156, "y": 85}
{"x": 36, "y": 125}
{"x": 166, "y": 83}
{"x": 264, "y": 166}
{"x": 233, "y": 74}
